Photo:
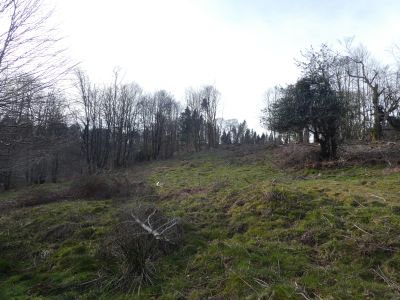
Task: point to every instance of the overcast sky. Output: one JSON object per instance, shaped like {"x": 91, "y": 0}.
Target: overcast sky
{"x": 243, "y": 47}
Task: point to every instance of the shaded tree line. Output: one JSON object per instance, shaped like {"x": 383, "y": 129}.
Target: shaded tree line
{"x": 33, "y": 127}
{"x": 46, "y": 135}
{"x": 36, "y": 142}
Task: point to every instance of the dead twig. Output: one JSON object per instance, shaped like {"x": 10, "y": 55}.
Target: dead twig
{"x": 379, "y": 197}
{"x": 392, "y": 284}
{"x": 359, "y": 228}
{"x": 301, "y": 291}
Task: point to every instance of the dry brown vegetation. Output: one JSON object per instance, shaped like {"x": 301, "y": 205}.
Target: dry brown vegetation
{"x": 299, "y": 156}
{"x": 95, "y": 187}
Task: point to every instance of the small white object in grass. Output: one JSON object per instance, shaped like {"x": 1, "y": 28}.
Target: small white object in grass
{"x": 159, "y": 184}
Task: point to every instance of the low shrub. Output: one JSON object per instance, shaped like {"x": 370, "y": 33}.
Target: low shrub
{"x": 130, "y": 251}
{"x": 99, "y": 187}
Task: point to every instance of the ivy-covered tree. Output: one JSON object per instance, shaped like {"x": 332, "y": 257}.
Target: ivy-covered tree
{"x": 310, "y": 103}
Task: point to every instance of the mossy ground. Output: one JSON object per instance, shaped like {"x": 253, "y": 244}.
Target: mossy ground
{"x": 251, "y": 230}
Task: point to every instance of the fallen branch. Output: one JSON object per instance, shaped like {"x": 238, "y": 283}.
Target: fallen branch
{"x": 359, "y": 228}
{"x": 129, "y": 253}
{"x": 156, "y": 225}
{"x": 301, "y": 291}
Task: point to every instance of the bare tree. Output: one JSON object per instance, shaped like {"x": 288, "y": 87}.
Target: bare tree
{"x": 29, "y": 48}
{"x": 31, "y": 63}
{"x": 362, "y": 66}
{"x": 119, "y": 105}
{"x": 193, "y": 99}
{"x": 95, "y": 138}
{"x": 270, "y": 97}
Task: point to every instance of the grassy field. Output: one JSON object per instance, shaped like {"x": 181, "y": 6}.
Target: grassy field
{"x": 251, "y": 231}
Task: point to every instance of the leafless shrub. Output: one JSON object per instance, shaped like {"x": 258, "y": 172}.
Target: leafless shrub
{"x": 298, "y": 156}
{"x": 38, "y": 196}
{"x": 130, "y": 252}
{"x": 100, "y": 187}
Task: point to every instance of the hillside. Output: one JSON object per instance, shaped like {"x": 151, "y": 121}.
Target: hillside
{"x": 251, "y": 229}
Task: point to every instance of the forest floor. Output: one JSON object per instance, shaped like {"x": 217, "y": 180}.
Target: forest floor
{"x": 253, "y": 228}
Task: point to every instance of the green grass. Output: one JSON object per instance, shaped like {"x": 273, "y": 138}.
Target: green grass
{"x": 251, "y": 231}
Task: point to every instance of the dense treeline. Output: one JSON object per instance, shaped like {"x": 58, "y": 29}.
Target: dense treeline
{"x": 341, "y": 96}
{"x": 240, "y": 134}
{"x": 36, "y": 140}
{"x": 47, "y": 136}
{"x": 122, "y": 124}
{"x": 33, "y": 128}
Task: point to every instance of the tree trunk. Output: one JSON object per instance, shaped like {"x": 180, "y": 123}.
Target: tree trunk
{"x": 7, "y": 180}
{"x": 306, "y": 136}
{"x": 54, "y": 168}
{"x": 316, "y": 138}
{"x": 377, "y": 127}
{"x": 300, "y": 136}
{"x": 328, "y": 148}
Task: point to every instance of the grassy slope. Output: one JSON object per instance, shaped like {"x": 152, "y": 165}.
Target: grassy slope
{"x": 251, "y": 230}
